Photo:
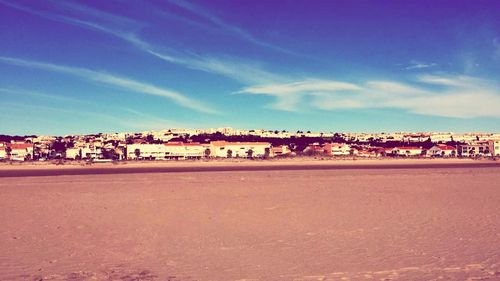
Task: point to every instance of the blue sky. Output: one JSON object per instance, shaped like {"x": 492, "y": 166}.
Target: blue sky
{"x": 109, "y": 66}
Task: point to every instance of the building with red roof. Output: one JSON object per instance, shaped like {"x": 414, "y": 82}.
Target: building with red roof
{"x": 225, "y": 149}
{"x": 407, "y": 151}
{"x": 442, "y": 150}
{"x": 20, "y": 151}
{"x": 338, "y": 149}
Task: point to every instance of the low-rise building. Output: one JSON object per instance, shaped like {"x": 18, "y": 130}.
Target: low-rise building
{"x": 180, "y": 150}
{"x": 91, "y": 152}
{"x": 172, "y": 150}
{"x": 73, "y": 153}
{"x": 494, "y": 147}
{"x": 225, "y": 149}
{"x": 146, "y": 151}
{"x": 371, "y": 152}
{"x": 21, "y": 151}
{"x": 3, "y": 151}
{"x": 475, "y": 149}
{"x": 314, "y": 149}
{"x": 280, "y": 150}
{"x": 407, "y": 151}
{"x": 338, "y": 149}
{"x": 442, "y": 150}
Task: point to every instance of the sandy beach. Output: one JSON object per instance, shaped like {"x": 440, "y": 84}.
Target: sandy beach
{"x": 403, "y": 223}
{"x": 16, "y": 169}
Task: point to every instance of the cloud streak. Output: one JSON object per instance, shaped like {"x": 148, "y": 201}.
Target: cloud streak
{"x": 289, "y": 95}
{"x": 456, "y": 97}
{"x": 243, "y": 71}
{"x": 131, "y": 120}
{"x": 39, "y": 95}
{"x": 116, "y": 81}
{"x": 224, "y": 26}
{"x": 414, "y": 64}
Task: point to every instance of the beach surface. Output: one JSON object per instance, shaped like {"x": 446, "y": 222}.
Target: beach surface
{"x": 22, "y": 169}
{"x": 404, "y": 223}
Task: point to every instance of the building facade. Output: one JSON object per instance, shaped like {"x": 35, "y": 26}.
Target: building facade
{"x": 494, "y": 147}
{"x": 225, "y": 149}
{"x": 476, "y": 149}
{"x": 442, "y": 150}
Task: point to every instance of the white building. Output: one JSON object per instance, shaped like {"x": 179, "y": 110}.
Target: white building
{"x": 480, "y": 148}
{"x": 91, "y": 152}
{"x": 3, "y": 150}
{"x": 180, "y": 150}
{"x": 338, "y": 149}
{"x": 442, "y": 150}
{"x": 21, "y": 151}
{"x": 407, "y": 151}
{"x": 84, "y": 151}
{"x": 441, "y": 137}
{"x": 226, "y": 149}
{"x": 281, "y": 150}
{"x": 494, "y": 147}
{"x": 146, "y": 151}
{"x": 173, "y": 150}
{"x": 73, "y": 153}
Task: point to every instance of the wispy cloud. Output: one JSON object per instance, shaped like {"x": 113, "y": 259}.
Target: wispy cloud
{"x": 40, "y": 109}
{"x": 144, "y": 121}
{"x": 456, "y": 81}
{"x": 458, "y": 96}
{"x": 289, "y": 95}
{"x": 86, "y": 19}
{"x": 390, "y": 88}
{"x": 36, "y": 94}
{"x": 496, "y": 48}
{"x": 414, "y": 64}
{"x": 116, "y": 81}
{"x": 120, "y": 117}
{"x": 224, "y": 26}
{"x": 125, "y": 117}
{"x": 244, "y": 71}
{"x": 96, "y": 14}
{"x": 311, "y": 85}
{"x": 128, "y": 115}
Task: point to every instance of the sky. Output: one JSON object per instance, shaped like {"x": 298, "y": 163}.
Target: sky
{"x": 71, "y": 67}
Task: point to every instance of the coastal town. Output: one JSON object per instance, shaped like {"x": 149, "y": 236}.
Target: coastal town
{"x": 220, "y": 143}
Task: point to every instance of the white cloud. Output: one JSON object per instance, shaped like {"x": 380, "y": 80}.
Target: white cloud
{"x": 496, "y": 48}
{"x": 123, "y": 28}
{"x": 224, "y": 26}
{"x": 289, "y": 95}
{"x": 40, "y": 95}
{"x": 390, "y": 88}
{"x": 245, "y": 72}
{"x": 414, "y": 64}
{"x": 124, "y": 83}
{"x": 93, "y": 13}
{"x": 131, "y": 120}
{"x": 459, "y": 97}
{"x": 306, "y": 86}
{"x": 461, "y": 81}
{"x": 455, "y": 104}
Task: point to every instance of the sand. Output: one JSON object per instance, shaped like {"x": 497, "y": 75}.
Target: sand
{"x": 20, "y": 169}
{"x": 350, "y": 224}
